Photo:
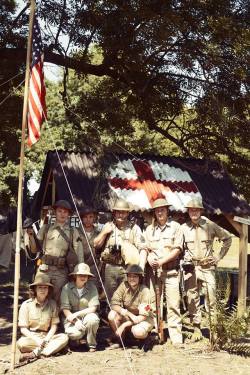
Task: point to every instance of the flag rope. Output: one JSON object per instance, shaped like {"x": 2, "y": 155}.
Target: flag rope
{"x": 128, "y": 356}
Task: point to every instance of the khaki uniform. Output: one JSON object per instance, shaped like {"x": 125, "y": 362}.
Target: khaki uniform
{"x": 138, "y": 302}
{"x": 84, "y": 254}
{"x": 198, "y": 244}
{"x": 115, "y": 263}
{"x": 56, "y": 248}
{"x": 39, "y": 319}
{"x": 70, "y": 300}
{"x": 162, "y": 240}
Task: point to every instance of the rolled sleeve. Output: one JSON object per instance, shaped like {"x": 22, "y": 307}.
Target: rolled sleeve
{"x": 55, "y": 317}
{"x": 23, "y": 318}
{"x": 117, "y": 298}
{"x": 65, "y": 304}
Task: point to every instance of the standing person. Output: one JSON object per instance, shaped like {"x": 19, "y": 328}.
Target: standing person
{"x": 164, "y": 248}
{"x": 79, "y": 303}
{"x": 122, "y": 242}
{"x": 199, "y": 260}
{"x": 59, "y": 243}
{"x": 88, "y": 217}
{"x": 131, "y": 307}
{"x": 38, "y": 320}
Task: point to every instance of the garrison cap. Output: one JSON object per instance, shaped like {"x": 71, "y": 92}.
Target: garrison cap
{"x": 160, "y": 202}
{"x": 121, "y": 205}
{"x": 195, "y": 203}
{"x": 63, "y": 204}
{"x": 134, "y": 268}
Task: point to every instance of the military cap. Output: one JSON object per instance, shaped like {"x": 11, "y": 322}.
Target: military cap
{"x": 160, "y": 202}
{"x": 82, "y": 269}
{"x": 121, "y": 205}
{"x": 87, "y": 210}
{"x": 63, "y": 204}
{"x": 41, "y": 279}
{"x": 194, "y": 203}
{"x": 134, "y": 268}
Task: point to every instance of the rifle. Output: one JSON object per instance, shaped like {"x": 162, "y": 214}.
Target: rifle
{"x": 158, "y": 290}
{"x": 182, "y": 285}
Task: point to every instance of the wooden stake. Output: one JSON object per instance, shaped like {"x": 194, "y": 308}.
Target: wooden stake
{"x": 20, "y": 188}
{"x": 242, "y": 281}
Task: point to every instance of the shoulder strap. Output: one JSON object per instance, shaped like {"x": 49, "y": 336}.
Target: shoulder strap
{"x": 45, "y": 236}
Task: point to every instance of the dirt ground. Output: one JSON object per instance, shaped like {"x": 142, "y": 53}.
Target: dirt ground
{"x": 161, "y": 360}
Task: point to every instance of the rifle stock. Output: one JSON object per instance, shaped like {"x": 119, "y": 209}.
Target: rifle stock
{"x": 159, "y": 318}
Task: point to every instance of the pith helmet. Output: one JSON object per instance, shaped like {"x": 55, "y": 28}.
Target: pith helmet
{"x": 121, "y": 205}
{"x": 41, "y": 279}
{"x": 160, "y": 202}
{"x": 87, "y": 210}
{"x": 134, "y": 268}
{"x": 195, "y": 203}
{"x": 82, "y": 269}
{"x": 63, "y": 204}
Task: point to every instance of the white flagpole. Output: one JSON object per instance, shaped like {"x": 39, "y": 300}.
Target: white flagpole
{"x": 20, "y": 187}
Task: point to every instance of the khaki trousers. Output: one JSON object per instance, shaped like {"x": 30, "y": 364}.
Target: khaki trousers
{"x": 91, "y": 324}
{"x": 205, "y": 278}
{"x": 170, "y": 282}
{"x": 56, "y": 343}
{"x": 58, "y": 277}
{"x": 114, "y": 276}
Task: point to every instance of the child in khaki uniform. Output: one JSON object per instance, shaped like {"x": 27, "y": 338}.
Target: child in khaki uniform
{"x": 38, "y": 319}
{"x": 79, "y": 303}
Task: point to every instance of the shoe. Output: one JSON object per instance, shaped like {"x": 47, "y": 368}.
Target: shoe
{"x": 27, "y": 357}
{"x": 92, "y": 349}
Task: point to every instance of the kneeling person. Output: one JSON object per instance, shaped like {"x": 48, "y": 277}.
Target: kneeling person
{"x": 79, "y": 303}
{"x": 38, "y": 320}
{"x": 131, "y": 306}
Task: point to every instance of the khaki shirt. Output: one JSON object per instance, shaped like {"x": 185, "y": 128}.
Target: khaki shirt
{"x": 207, "y": 231}
{"x": 136, "y": 301}
{"x": 70, "y": 299}
{"x": 37, "y": 317}
{"x": 130, "y": 233}
{"x": 83, "y": 251}
{"x": 55, "y": 244}
{"x": 162, "y": 240}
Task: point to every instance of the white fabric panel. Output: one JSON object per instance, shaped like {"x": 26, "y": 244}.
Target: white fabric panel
{"x": 123, "y": 170}
{"x": 164, "y": 172}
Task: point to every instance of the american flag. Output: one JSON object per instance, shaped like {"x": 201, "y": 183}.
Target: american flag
{"x": 36, "y": 103}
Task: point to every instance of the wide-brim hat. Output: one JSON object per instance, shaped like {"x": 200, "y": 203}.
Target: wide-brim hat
{"x": 87, "y": 210}
{"x": 160, "y": 202}
{"x": 195, "y": 203}
{"x": 82, "y": 269}
{"x": 134, "y": 268}
{"x": 41, "y": 280}
{"x": 63, "y": 204}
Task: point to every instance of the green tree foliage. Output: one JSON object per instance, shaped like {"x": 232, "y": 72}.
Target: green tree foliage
{"x": 172, "y": 69}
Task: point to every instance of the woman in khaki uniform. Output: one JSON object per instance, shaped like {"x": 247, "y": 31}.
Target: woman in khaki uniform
{"x": 79, "y": 303}
{"x": 131, "y": 307}
{"x": 38, "y": 319}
